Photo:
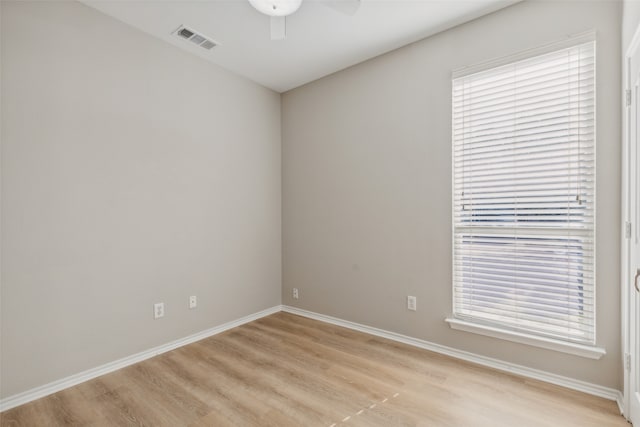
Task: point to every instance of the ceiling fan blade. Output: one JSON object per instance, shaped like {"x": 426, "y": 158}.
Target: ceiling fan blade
{"x": 278, "y": 28}
{"x": 349, "y": 7}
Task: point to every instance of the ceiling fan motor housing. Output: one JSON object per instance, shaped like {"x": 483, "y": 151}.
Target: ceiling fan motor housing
{"x": 276, "y": 7}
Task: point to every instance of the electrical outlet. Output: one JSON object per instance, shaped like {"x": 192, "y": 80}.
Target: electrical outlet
{"x": 158, "y": 310}
{"x": 295, "y": 293}
{"x": 193, "y": 301}
{"x": 411, "y": 303}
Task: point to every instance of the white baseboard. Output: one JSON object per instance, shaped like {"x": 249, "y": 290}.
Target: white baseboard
{"x": 620, "y": 402}
{"x": 583, "y": 386}
{"x": 55, "y": 386}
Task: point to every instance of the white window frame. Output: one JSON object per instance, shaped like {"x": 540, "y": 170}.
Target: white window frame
{"x": 579, "y": 349}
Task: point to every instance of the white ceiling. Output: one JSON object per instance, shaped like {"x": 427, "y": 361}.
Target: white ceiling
{"x": 320, "y": 40}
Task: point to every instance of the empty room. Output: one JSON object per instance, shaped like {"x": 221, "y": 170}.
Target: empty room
{"x": 320, "y": 213}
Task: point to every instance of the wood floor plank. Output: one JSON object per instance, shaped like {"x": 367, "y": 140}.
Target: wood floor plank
{"x": 285, "y": 370}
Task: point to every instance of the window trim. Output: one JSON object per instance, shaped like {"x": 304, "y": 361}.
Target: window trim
{"x": 577, "y": 349}
{"x": 569, "y": 41}
{"x": 590, "y": 352}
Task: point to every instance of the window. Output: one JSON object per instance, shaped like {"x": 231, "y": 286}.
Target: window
{"x": 523, "y": 196}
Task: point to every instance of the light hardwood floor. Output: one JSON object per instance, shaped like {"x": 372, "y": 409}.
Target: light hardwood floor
{"x": 286, "y": 370}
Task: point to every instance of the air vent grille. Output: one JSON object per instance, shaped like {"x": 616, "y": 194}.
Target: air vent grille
{"x": 185, "y": 33}
{"x": 194, "y": 37}
{"x": 208, "y": 44}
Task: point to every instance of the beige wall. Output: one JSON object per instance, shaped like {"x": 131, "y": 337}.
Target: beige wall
{"x": 132, "y": 173}
{"x": 367, "y": 184}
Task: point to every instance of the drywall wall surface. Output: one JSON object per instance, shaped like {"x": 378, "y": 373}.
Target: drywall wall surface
{"x": 630, "y": 21}
{"x": 367, "y": 184}
{"x": 132, "y": 173}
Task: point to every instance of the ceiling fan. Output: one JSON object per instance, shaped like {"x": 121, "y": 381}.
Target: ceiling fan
{"x": 278, "y": 10}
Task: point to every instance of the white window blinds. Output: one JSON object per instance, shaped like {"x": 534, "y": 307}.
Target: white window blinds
{"x": 523, "y": 195}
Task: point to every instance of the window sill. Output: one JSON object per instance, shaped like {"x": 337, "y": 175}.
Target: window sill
{"x": 522, "y": 338}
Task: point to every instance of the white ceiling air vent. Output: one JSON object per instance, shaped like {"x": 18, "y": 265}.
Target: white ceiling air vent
{"x": 194, "y": 37}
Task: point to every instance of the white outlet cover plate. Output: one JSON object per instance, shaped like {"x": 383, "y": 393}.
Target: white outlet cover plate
{"x": 158, "y": 310}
